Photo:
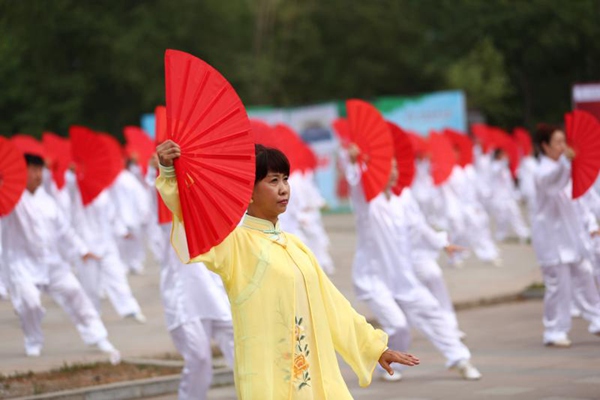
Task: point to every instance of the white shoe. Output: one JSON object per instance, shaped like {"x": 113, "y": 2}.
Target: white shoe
{"x": 467, "y": 370}
{"x": 384, "y": 376}
{"x": 561, "y": 343}
{"x": 105, "y": 346}
{"x": 461, "y": 335}
{"x": 33, "y": 351}
{"x": 138, "y": 316}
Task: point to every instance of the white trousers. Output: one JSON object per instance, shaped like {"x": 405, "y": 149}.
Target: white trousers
{"x": 479, "y": 235}
{"x": 108, "y": 274}
{"x": 430, "y": 274}
{"x": 133, "y": 252}
{"x": 318, "y": 241}
{"x": 424, "y": 313}
{"x": 509, "y": 218}
{"x": 68, "y": 293}
{"x": 192, "y": 340}
{"x": 563, "y": 283}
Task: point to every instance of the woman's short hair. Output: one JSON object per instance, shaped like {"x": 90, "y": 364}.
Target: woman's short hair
{"x": 34, "y": 159}
{"x": 543, "y": 134}
{"x": 268, "y": 160}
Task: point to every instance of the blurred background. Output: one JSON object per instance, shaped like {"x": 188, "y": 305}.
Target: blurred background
{"x": 100, "y": 63}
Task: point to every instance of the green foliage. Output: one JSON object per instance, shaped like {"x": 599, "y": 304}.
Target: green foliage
{"x": 100, "y": 64}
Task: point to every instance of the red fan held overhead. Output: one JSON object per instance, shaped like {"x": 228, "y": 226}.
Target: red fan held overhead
{"x": 461, "y": 144}
{"x": 140, "y": 147}
{"x": 419, "y": 144}
{"x": 28, "y": 145}
{"x": 370, "y": 132}
{"x": 405, "y": 158}
{"x": 58, "y": 156}
{"x": 442, "y": 158}
{"x": 290, "y": 144}
{"x": 215, "y": 173}
{"x": 160, "y": 119}
{"x": 341, "y": 127}
{"x": 583, "y": 135}
{"x": 98, "y": 161}
{"x": 523, "y": 139}
{"x": 263, "y": 133}
{"x": 13, "y": 175}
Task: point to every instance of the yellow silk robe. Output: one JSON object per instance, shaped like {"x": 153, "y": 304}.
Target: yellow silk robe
{"x": 257, "y": 266}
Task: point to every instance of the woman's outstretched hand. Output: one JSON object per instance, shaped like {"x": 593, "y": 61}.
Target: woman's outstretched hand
{"x": 391, "y": 356}
{"x": 167, "y": 151}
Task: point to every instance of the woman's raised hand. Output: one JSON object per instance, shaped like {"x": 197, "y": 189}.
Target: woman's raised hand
{"x": 167, "y": 151}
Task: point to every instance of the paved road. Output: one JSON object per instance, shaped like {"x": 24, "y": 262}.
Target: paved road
{"x": 506, "y": 344}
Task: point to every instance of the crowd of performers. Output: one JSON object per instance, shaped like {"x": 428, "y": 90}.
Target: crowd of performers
{"x": 52, "y": 243}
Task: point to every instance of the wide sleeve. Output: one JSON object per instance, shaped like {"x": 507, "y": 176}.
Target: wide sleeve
{"x": 359, "y": 344}
{"x": 554, "y": 178}
{"x": 220, "y": 259}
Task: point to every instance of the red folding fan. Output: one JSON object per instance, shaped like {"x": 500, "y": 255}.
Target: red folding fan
{"x": 309, "y": 160}
{"x": 160, "y": 124}
{"x": 418, "y": 143}
{"x": 215, "y": 173}
{"x": 405, "y": 158}
{"x": 342, "y": 129}
{"x": 482, "y": 134}
{"x": 442, "y": 158}
{"x": 13, "y": 175}
{"x": 96, "y": 159}
{"x": 160, "y": 120}
{"x": 290, "y": 144}
{"x": 58, "y": 156}
{"x": 583, "y": 135}
{"x": 462, "y": 144}
{"x": 523, "y": 139}
{"x": 28, "y": 145}
{"x": 499, "y": 139}
{"x": 263, "y": 133}
{"x": 139, "y": 146}
{"x": 369, "y": 131}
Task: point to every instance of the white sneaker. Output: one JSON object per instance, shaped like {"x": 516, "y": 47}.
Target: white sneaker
{"x": 138, "y": 316}
{"x": 105, "y": 346}
{"x": 561, "y": 343}
{"x": 384, "y": 376}
{"x": 33, "y": 351}
{"x": 467, "y": 370}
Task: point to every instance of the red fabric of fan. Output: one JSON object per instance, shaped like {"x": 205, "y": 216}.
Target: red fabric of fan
{"x": 215, "y": 173}
{"x": 13, "y": 175}
{"x": 263, "y": 134}
{"x": 290, "y": 144}
{"x": 482, "y": 134}
{"x": 583, "y": 135}
{"x": 405, "y": 158}
{"x": 418, "y": 143}
{"x": 97, "y": 159}
{"x": 309, "y": 160}
{"x": 342, "y": 129}
{"x": 462, "y": 144}
{"x": 523, "y": 139}
{"x": 370, "y": 132}
{"x": 442, "y": 158}
{"x": 58, "y": 156}
{"x": 28, "y": 145}
{"x": 140, "y": 147}
{"x": 160, "y": 126}
{"x": 499, "y": 139}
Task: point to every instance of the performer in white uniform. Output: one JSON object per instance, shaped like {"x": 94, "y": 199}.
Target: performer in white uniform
{"x": 384, "y": 279}
{"x": 37, "y": 239}
{"x": 559, "y": 241}
{"x": 98, "y": 224}
{"x": 504, "y": 206}
{"x": 133, "y": 209}
{"x": 196, "y": 310}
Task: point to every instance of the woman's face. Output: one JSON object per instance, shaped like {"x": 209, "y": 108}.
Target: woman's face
{"x": 270, "y": 197}
{"x": 557, "y": 145}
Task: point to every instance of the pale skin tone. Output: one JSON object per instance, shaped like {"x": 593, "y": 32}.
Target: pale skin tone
{"x": 269, "y": 199}
{"x": 34, "y": 180}
{"x": 354, "y": 151}
{"x": 557, "y": 147}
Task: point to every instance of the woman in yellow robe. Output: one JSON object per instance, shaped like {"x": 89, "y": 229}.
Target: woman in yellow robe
{"x": 288, "y": 318}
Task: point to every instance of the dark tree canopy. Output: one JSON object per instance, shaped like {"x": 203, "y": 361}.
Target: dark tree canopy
{"x": 100, "y": 63}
